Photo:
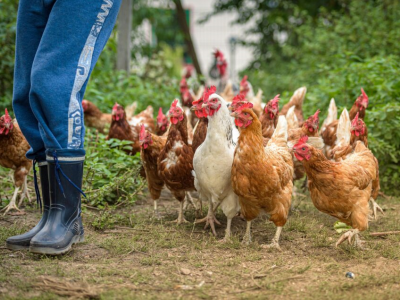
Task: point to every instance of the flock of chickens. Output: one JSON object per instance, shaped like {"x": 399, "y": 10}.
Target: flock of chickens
{"x": 243, "y": 156}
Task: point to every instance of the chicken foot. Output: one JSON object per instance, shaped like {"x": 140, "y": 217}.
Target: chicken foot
{"x": 227, "y": 237}
{"x": 181, "y": 219}
{"x": 348, "y": 235}
{"x": 12, "y": 204}
{"x": 275, "y": 240}
{"x": 209, "y": 219}
{"x": 375, "y": 208}
{"x": 247, "y": 237}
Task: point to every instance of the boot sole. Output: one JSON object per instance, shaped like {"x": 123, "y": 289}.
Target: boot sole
{"x": 59, "y": 251}
{"x": 17, "y": 247}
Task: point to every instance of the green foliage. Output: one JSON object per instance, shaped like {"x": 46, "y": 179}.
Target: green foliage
{"x": 8, "y": 17}
{"x": 339, "y": 53}
{"x": 111, "y": 176}
{"x": 268, "y": 23}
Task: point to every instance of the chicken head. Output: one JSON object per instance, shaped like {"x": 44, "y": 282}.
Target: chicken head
{"x": 6, "y": 123}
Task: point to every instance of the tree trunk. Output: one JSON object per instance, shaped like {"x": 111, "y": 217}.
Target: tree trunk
{"x": 186, "y": 32}
{"x": 124, "y": 36}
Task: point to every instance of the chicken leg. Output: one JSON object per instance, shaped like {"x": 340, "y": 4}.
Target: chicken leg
{"x": 375, "y": 207}
{"x": 156, "y": 212}
{"x": 247, "y": 236}
{"x": 275, "y": 240}
{"x": 197, "y": 208}
{"x": 181, "y": 219}
{"x": 209, "y": 219}
{"x": 12, "y": 204}
{"x": 348, "y": 235}
{"x": 25, "y": 192}
{"x": 227, "y": 231}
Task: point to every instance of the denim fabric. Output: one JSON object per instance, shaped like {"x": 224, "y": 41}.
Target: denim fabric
{"x": 58, "y": 43}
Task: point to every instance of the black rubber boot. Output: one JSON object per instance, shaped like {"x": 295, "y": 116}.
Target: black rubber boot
{"x": 21, "y": 242}
{"x": 64, "y": 224}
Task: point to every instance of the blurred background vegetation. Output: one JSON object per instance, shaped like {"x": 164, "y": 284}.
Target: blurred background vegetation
{"x": 334, "y": 47}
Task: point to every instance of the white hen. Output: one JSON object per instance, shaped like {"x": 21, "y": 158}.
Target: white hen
{"x": 212, "y": 163}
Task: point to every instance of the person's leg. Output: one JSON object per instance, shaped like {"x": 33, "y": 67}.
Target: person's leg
{"x": 75, "y": 34}
{"x": 31, "y": 22}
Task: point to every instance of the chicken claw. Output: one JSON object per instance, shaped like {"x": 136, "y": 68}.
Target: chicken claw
{"x": 275, "y": 240}
{"x": 181, "y": 219}
{"x": 274, "y": 244}
{"x": 348, "y": 235}
{"x": 12, "y": 204}
{"x": 210, "y": 219}
{"x": 375, "y": 208}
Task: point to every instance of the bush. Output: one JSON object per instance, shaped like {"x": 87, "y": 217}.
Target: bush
{"x": 8, "y": 18}
{"x": 111, "y": 176}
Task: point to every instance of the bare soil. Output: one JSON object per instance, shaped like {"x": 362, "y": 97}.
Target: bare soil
{"x": 129, "y": 254}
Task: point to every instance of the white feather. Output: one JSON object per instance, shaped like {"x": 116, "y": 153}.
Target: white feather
{"x": 332, "y": 114}
{"x": 343, "y": 132}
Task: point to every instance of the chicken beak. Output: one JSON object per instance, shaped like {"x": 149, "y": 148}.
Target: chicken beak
{"x": 204, "y": 105}
{"x": 193, "y": 108}
{"x": 234, "y": 114}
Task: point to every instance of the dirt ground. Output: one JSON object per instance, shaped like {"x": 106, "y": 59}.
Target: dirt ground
{"x": 128, "y": 254}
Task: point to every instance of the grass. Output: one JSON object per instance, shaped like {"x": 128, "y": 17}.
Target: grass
{"x": 130, "y": 255}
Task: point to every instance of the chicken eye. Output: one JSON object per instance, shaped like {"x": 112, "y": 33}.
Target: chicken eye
{"x": 304, "y": 148}
{"x": 245, "y": 114}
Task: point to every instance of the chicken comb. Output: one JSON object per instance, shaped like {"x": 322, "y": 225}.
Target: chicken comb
{"x": 116, "y": 105}
{"x": 355, "y": 120}
{"x": 302, "y": 140}
{"x": 365, "y": 96}
{"x": 218, "y": 54}
{"x": 208, "y": 92}
{"x": 238, "y": 98}
{"x": 276, "y": 99}
{"x": 243, "y": 106}
{"x": 7, "y": 117}
{"x": 160, "y": 115}
{"x": 142, "y": 134}
{"x": 244, "y": 80}
{"x": 196, "y": 102}
{"x": 174, "y": 103}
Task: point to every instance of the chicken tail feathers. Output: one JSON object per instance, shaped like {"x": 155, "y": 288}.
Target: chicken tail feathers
{"x": 130, "y": 110}
{"x": 291, "y": 118}
{"x": 280, "y": 134}
{"x": 343, "y": 133}
{"x": 298, "y": 97}
{"x": 332, "y": 113}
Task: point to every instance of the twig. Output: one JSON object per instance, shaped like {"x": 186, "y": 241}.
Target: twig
{"x": 382, "y": 194}
{"x": 384, "y": 233}
{"x": 130, "y": 228}
{"x": 90, "y": 207}
{"x": 134, "y": 194}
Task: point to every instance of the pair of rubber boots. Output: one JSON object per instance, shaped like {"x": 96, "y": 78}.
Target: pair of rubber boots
{"x": 61, "y": 224}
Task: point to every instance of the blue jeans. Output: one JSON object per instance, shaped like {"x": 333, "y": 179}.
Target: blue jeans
{"x": 58, "y": 43}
